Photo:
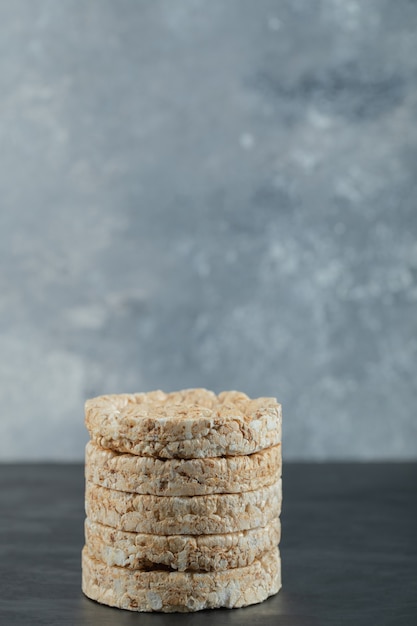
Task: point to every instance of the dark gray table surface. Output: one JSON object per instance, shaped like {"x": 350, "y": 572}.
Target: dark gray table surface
{"x": 349, "y": 550}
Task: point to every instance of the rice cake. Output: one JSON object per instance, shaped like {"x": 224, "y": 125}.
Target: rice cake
{"x": 192, "y": 423}
{"x": 183, "y": 515}
{"x": 182, "y": 477}
{"x": 169, "y": 592}
{"x": 180, "y": 552}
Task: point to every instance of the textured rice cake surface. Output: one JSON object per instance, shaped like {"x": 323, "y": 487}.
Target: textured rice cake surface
{"x": 183, "y": 515}
{"x": 192, "y": 423}
{"x": 181, "y": 591}
{"x": 182, "y": 477}
{"x": 180, "y": 552}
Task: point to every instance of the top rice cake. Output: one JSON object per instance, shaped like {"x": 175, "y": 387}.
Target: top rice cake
{"x": 193, "y": 423}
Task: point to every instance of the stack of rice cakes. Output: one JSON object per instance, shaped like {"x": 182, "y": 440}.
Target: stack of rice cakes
{"x": 183, "y": 497}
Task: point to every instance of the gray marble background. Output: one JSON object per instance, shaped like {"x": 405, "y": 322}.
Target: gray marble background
{"x": 217, "y": 194}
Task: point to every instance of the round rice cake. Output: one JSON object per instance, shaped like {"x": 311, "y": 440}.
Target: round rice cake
{"x": 183, "y": 515}
{"x": 182, "y": 477}
{"x": 180, "y": 552}
{"x": 192, "y": 423}
{"x": 169, "y": 592}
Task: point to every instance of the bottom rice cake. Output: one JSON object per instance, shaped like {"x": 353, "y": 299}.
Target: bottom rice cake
{"x": 183, "y": 515}
{"x": 169, "y": 592}
{"x": 180, "y": 552}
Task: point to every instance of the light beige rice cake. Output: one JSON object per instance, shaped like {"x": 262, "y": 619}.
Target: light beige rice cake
{"x": 193, "y": 423}
{"x": 182, "y": 477}
{"x": 180, "y": 552}
{"x": 183, "y": 515}
{"x": 169, "y": 592}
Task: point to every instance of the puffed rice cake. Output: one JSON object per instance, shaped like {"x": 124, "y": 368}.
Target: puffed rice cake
{"x": 167, "y": 592}
{"x": 182, "y": 477}
{"x": 180, "y": 552}
{"x": 192, "y": 423}
{"x": 183, "y": 515}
